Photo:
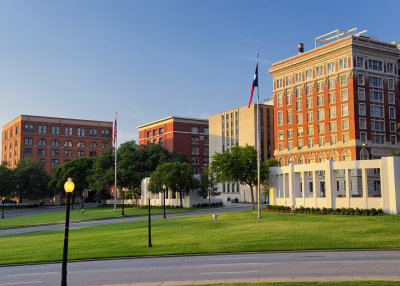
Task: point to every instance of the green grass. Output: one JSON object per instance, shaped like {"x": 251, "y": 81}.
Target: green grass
{"x": 328, "y": 283}
{"x": 76, "y": 216}
{"x": 235, "y": 232}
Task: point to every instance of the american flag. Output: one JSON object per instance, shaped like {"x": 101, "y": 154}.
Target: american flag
{"x": 115, "y": 133}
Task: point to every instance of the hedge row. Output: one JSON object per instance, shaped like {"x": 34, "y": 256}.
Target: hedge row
{"x": 205, "y": 205}
{"x": 324, "y": 211}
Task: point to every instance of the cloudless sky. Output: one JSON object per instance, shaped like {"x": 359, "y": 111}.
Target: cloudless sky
{"x": 147, "y": 60}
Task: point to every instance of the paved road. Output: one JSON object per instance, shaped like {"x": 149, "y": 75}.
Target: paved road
{"x": 234, "y": 207}
{"x": 286, "y": 266}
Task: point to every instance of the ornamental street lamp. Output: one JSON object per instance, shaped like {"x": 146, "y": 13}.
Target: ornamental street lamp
{"x": 2, "y": 212}
{"x": 149, "y": 224}
{"x": 363, "y": 151}
{"x": 69, "y": 188}
{"x": 164, "y": 189}
{"x": 123, "y": 195}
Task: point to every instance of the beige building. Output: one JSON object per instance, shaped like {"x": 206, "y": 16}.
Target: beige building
{"x": 238, "y": 127}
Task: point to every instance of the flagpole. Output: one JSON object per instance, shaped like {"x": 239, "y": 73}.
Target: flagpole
{"x": 258, "y": 149}
{"x": 115, "y": 166}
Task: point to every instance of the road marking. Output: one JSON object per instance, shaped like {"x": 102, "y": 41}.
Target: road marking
{"x": 38, "y": 273}
{"x": 234, "y": 258}
{"x": 235, "y": 272}
{"x": 231, "y": 264}
{"x": 19, "y": 283}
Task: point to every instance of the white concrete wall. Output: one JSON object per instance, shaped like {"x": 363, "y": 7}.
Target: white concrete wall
{"x": 345, "y": 184}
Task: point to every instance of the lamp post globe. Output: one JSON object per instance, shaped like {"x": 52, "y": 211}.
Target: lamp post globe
{"x": 149, "y": 221}
{"x": 123, "y": 197}
{"x": 69, "y": 188}
{"x": 164, "y": 189}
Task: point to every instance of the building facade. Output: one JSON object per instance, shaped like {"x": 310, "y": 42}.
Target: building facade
{"x": 185, "y": 135}
{"x": 53, "y": 141}
{"x": 238, "y": 127}
{"x": 338, "y": 101}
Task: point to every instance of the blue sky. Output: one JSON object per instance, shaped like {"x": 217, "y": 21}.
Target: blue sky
{"x": 152, "y": 59}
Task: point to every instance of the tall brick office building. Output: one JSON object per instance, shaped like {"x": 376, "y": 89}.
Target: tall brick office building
{"x": 53, "y": 141}
{"x": 339, "y": 101}
{"x": 185, "y": 135}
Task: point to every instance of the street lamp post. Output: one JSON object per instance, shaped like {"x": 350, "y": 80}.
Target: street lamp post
{"x": 164, "y": 189}
{"x": 69, "y": 188}
{"x": 363, "y": 151}
{"x": 149, "y": 224}
{"x": 2, "y": 211}
{"x": 123, "y": 194}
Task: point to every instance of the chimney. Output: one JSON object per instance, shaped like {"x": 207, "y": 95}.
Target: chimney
{"x": 301, "y": 48}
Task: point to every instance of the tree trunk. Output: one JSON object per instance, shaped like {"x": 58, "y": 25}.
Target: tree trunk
{"x": 252, "y": 197}
{"x": 209, "y": 198}
{"x": 180, "y": 197}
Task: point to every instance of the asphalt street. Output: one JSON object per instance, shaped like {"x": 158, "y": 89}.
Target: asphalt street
{"x": 234, "y": 207}
{"x": 253, "y": 267}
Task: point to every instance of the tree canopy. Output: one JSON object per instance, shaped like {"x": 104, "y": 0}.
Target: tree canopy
{"x": 7, "y": 184}
{"x": 208, "y": 186}
{"x": 239, "y": 164}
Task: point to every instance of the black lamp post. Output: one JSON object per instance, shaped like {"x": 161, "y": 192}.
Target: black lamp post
{"x": 164, "y": 189}
{"x": 149, "y": 225}
{"x": 123, "y": 192}
{"x": 2, "y": 212}
{"x": 69, "y": 188}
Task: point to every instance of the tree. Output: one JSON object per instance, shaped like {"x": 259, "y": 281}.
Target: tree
{"x": 207, "y": 184}
{"x": 271, "y": 162}
{"x": 7, "y": 184}
{"x": 31, "y": 180}
{"x": 239, "y": 165}
{"x": 78, "y": 170}
{"x": 176, "y": 176}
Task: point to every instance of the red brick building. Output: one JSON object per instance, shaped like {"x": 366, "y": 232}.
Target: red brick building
{"x": 185, "y": 135}
{"x": 339, "y": 101}
{"x": 53, "y": 141}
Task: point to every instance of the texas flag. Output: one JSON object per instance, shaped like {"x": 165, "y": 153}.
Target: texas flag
{"x": 255, "y": 83}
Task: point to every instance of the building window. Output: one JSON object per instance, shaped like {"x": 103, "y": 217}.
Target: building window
{"x": 68, "y": 153}
{"x": 309, "y": 103}
{"x": 391, "y": 98}
{"x": 361, "y": 79}
{"x": 42, "y": 162}
{"x": 83, "y": 131}
{"x": 392, "y": 125}
{"x": 279, "y": 83}
{"x": 360, "y": 62}
{"x": 161, "y": 131}
{"x": 280, "y": 135}
{"x": 279, "y": 100}
{"x": 300, "y": 144}
{"x": 280, "y": 147}
{"x": 288, "y": 80}
{"x": 331, "y": 84}
{"x": 205, "y": 129}
{"x": 289, "y": 116}
{"x": 67, "y": 144}
{"x": 42, "y": 142}
{"x": 195, "y": 150}
{"x": 298, "y": 92}
{"x": 389, "y": 68}
{"x": 290, "y": 133}
{"x": 310, "y": 130}
{"x": 343, "y": 80}
{"x": 91, "y": 132}
{"x": 195, "y": 161}
{"x": 378, "y": 138}
{"x": 332, "y": 97}
{"x": 155, "y": 132}
{"x": 309, "y": 89}
{"x": 320, "y": 100}
{"x": 331, "y": 67}
{"x": 104, "y": 145}
{"x": 333, "y": 138}
{"x": 363, "y": 137}
{"x": 80, "y": 144}
{"x": 319, "y": 71}
{"x": 103, "y": 133}
{"x": 299, "y": 105}
{"x": 206, "y": 141}
{"x": 346, "y": 137}
{"x": 309, "y": 74}
{"x": 297, "y": 77}
{"x": 81, "y": 153}
{"x": 310, "y": 143}
{"x": 28, "y": 141}
{"x": 342, "y": 64}
{"x": 321, "y": 114}
{"x": 42, "y": 129}
{"x": 377, "y": 125}
{"x": 195, "y": 130}
{"x": 289, "y": 98}
{"x": 376, "y": 96}
{"x": 148, "y": 134}
{"x": 195, "y": 140}
{"x": 321, "y": 141}
{"x": 92, "y": 154}
{"x": 300, "y": 118}
{"x": 280, "y": 118}
{"x": 376, "y": 111}
{"x": 332, "y": 126}
{"x": 391, "y": 84}
{"x": 42, "y": 152}
{"x": 392, "y": 113}
{"x": 345, "y": 124}
{"x": 361, "y": 94}
{"x": 309, "y": 116}
{"x": 55, "y": 143}
{"x": 93, "y": 145}
{"x": 54, "y": 162}
{"x": 375, "y": 82}
{"x": 345, "y": 109}
{"x": 321, "y": 128}
{"x": 344, "y": 95}
{"x": 290, "y": 145}
{"x": 206, "y": 151}
{"x": 332, "y": 112}
{"x": 393, "y": 139}
{"x": 320, "y": 86}
{"x": 374, "y": 65}
{"x": 55, "y": 152}
{"x": 362, "y": 109}
{"x": 79, "y": 132}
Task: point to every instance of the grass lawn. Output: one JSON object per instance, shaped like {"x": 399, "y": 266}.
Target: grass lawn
{"x": 235, "y": 232}
{"x": 75, "y": 216}
{"x": 329, "y": 283}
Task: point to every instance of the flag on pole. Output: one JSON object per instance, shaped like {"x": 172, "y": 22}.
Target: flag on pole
{"x": 255, "y": 83}
{"x": 115, "y": 133}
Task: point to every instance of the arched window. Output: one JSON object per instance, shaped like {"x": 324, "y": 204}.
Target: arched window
{"x": 322, "y": 157}
{"x": 55, "y": 143}
{"x": 282, "y": 161}
{"x": 81, "y": 144}
{"x": 346, "y": 155}
{"x": 93, "y": 154}
{"x": 311, "y": 158}
{"x": 290, "y": 160}
{"x": 93, "y": 145}
{"x": 68, "y": 144}
{"x": 334, "y": 156}
{"x": 300, "y": 159}
{"x": 42, "y": 142}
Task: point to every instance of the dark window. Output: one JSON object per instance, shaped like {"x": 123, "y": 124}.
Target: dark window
{"x": 81, "y": 153}
{"x": 68, "y": 153}
{"x": 80, "y": 144}
{"x": 93, "y": 154}
{"x": 93, "y": 145}
{"x": 28, "y": 151}
{"x": 42, "y": 142}
{"x": 28, "y": 141}
{"x": 55, "y": 143}
{"x": 54, "y": 162}
{"x": 67, "y": 144}
{"x": 55, "y": 152}
{"x": 42, "y": 152}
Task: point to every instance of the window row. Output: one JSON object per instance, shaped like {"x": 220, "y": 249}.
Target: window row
{"x": 375, "y": 65}
{"x": 196, "y": 140}
{"x": 196, "y": 151}
{"x": 66, "y": 130}
{"x": 9, "y": 133}
{"x": 42, "y": 142}
{"x": 309, "y": 101}
{"x": 310, "y": 142}
{"x": 56, "y": 152}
